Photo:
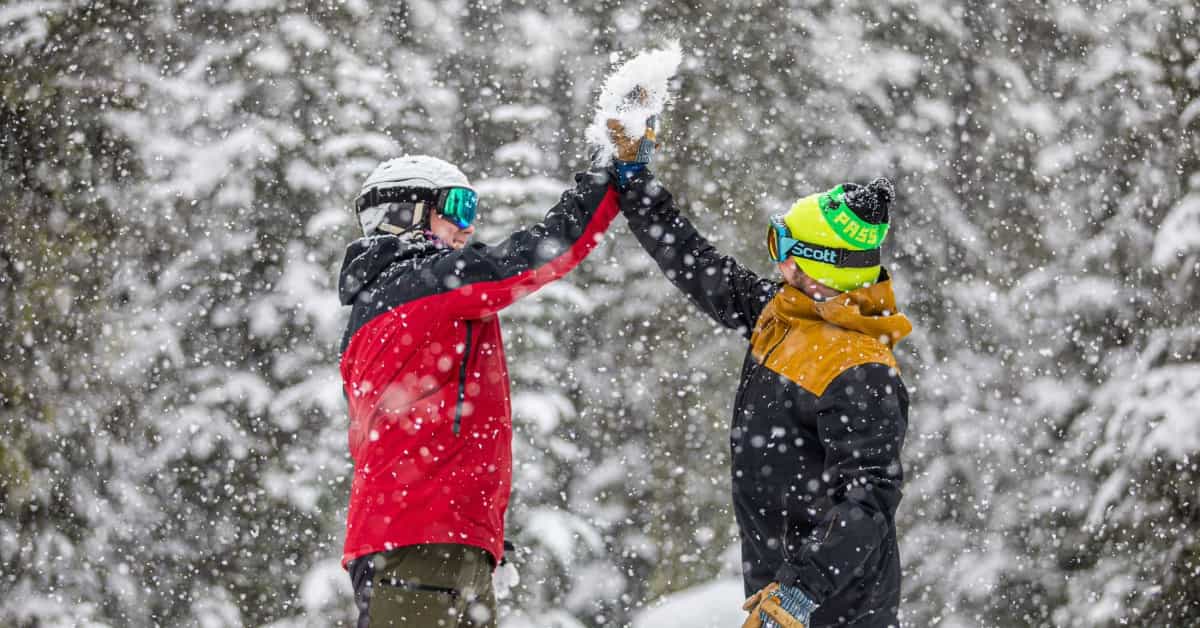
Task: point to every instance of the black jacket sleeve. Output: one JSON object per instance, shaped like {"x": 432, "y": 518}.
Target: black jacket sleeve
{"x": 861, "y": 425}
{"x": 727, "y": 291}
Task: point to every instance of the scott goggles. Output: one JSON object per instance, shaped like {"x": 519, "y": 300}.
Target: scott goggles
{"x": 781, "y": 245}
{"x": 456, "y": 204}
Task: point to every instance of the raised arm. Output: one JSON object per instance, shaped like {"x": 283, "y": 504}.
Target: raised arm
{"x": 724, "y": 289}
{"x": 491, "y": 277}
{"x": 384, "y": 271}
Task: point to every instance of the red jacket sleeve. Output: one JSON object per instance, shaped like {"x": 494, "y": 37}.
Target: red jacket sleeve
{"x": 483, "y": 279}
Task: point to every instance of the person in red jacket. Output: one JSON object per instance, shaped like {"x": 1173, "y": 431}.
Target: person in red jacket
{"x": 427, "y": 387}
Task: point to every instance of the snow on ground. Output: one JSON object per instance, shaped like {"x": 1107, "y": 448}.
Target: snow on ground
{"x": 716, "y": 604}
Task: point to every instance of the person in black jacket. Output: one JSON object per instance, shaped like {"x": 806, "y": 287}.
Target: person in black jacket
{"x": 821, "y": 411}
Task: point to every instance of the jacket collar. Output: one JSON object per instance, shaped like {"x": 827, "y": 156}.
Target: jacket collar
{"x": 870, "y": 310}
{"x": 367, "y": 258}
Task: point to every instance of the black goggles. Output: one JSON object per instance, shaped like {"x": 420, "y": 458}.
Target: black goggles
{"x": 781, "y": 245}
{"x": 456, "y": 204}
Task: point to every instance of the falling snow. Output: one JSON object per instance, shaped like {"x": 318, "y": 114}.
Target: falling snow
{"x": 175, "y": 189}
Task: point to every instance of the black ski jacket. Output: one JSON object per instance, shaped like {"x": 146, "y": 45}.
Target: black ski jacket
{"x": 818, "y": 420}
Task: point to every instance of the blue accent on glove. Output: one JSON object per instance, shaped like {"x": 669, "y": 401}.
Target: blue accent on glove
{"x": 795, "y": 602}
{"x": 627, "y": 170}
{"x": 645, "y": 151}
{"x": 646, "y": 147}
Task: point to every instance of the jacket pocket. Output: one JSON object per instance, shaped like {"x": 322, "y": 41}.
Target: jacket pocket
{"x": 417, "y": 587}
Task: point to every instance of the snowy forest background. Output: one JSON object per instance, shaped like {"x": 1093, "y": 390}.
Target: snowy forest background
{"x": 175, "y": 183}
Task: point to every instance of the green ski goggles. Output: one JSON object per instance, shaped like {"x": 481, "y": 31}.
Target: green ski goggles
{"x": 458, "y": 205}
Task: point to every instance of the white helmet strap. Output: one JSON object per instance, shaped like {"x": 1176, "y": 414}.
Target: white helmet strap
{"x": 419, "y": 213}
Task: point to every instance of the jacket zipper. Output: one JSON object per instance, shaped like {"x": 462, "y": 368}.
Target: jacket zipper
{"x": 772, "y": 349}
{"x": 462, "y": 380}
{"x": 829, "y": 531}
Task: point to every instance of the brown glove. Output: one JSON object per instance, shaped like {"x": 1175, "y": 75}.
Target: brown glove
{"x": 765, "y": 601}
{"x": 627, "y": 147}
{"x": 634, "y": 148}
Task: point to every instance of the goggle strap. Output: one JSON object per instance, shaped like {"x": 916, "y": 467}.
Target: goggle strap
{"x": 422, "y": 201}
{"x": 378, "y": 196}
{"x": 842, "y": 258}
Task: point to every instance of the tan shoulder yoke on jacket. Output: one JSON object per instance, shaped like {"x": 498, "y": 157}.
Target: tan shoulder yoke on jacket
{"x": 812, "y": 342}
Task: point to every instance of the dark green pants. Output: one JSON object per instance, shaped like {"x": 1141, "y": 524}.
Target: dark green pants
{"x": 425, "y": 586}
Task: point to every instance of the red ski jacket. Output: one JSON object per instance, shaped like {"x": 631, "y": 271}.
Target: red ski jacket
{"x": 425, "y": 377}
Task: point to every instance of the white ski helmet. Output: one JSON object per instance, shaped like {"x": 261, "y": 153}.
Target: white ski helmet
{"x": 409, "y": 171}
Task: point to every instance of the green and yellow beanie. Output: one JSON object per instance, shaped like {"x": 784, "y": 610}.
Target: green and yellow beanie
{"x": 850, "y": 217}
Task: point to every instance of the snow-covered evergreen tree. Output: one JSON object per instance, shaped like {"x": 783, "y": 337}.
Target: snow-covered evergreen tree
{"x": 175, "y": 203}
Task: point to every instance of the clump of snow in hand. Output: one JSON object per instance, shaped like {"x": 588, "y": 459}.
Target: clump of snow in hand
{"x": 651, "y": 70}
